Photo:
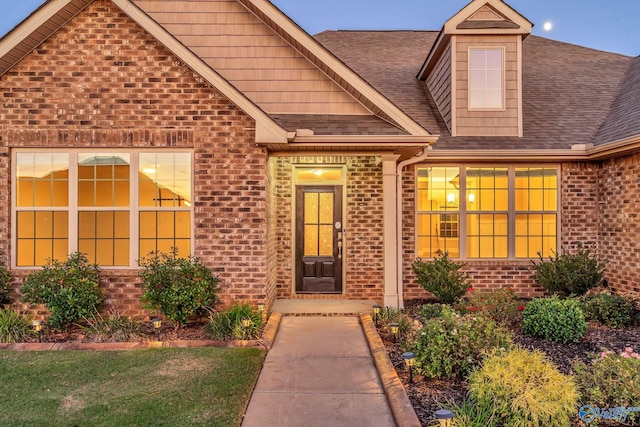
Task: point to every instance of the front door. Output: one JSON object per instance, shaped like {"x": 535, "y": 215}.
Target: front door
{"x": 319, "y": 239}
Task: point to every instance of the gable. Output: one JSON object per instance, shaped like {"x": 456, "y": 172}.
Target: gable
{"x": 254, "y": 58}
{"x": 487, "y": 17}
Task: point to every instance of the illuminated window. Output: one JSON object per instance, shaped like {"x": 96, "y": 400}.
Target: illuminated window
{"x": 486, "y": 78}
{"x": 487, "y": 212}
{"x": 116, "y": 208}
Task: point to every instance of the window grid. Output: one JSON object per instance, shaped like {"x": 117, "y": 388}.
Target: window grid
{"x": 505, "y": 227}
{"x": 486, "y": 78}
{"x": 69, "y": 238}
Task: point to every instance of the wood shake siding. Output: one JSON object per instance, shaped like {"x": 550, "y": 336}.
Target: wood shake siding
{"x": 487, "y": 123}
{"x": 103, "y": 82}
{"x": 439, "y": 84}
{"x": 250, "y": 55}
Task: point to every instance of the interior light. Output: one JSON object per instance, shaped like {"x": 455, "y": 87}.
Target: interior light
{"x": 317, "y": 172}
{"x": 149, "y": 170}
{"x": 451, "y": 197}
{"x": 472, "y": 198}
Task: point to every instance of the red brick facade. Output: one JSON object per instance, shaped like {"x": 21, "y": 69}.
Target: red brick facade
{"x": 101, "y": 82}
{"x": 363, "y": 253}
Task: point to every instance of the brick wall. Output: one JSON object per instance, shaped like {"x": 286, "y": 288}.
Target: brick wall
{"x": 619, "y": 221}
{"x": 579, "y": 221}
{"x": 363, "y": 253}
{"x": 102, "y": 82}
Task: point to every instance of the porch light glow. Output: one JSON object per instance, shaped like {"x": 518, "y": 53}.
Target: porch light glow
{"x": 409, "y": 361}
{"x": 376, "y": 313}
{"x": 38, "y": 325}
{"x": 444, "y": 417}
{"x": 157, "y": 323}
{"x": 394, "y": 328}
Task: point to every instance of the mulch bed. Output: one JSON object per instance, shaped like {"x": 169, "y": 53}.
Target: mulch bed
{"x": 427, "y": 396}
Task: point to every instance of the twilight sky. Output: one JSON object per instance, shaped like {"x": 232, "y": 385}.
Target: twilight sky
{"x": 610, "y": 25}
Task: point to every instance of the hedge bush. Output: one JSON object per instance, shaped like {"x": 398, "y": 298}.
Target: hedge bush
{"x": 179, "y": 288}
{"x": 554, "y": 319}
{"x": 612, "y": 310}
{"x": 70, "y": 289}
{"x": 525, "y": 390}
{"x": 452, "y": 345}
{"x": 442, "y": 277}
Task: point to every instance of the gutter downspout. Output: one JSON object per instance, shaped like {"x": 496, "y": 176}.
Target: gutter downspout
{"x": 419, "y": 158}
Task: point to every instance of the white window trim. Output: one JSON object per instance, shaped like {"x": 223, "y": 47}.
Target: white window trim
{"x": 504, "y": 83}
{"x": 511, "y": 214}
{"x": 73, "y": 209}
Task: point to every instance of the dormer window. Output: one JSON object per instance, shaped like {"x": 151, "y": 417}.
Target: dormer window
{"x": 486, "y": 78}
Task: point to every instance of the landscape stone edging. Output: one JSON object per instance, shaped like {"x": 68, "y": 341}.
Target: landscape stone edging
{"x": 401, "y": 407}
{"x": 266, "y": 342}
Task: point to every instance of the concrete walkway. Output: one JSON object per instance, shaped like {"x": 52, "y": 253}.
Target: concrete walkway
{"x": 319, "y": 372}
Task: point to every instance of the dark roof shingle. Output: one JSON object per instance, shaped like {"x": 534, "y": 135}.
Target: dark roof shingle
{"x": 567, "y": 89}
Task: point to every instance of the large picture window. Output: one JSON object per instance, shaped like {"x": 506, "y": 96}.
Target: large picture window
{"x": 115, "y": 207}
{"x": 487, "y": 212}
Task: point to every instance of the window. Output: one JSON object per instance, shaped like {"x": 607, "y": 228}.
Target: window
{"x": 486, "y": 79}
{"x": 486, "y": 212}
{"x": 116, "y": 207}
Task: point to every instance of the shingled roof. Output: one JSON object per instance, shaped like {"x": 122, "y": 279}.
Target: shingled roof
{"x": 624, "y": 118}
{"x": 568, "y": 90}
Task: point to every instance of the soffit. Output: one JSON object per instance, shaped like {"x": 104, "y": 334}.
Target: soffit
{"x": 35, "y": 29}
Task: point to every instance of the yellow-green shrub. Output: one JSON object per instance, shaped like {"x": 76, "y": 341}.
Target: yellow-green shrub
{"x": 525, "y": 389}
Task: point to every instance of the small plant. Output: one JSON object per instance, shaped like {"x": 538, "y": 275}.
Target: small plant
{"x": 452, "y": 345}
{"x": 179, "y": 287}
{"x": 554, "y": 319}
{"x": 113, "y": 327}
{"x": 394, "y": 315}
{"x": 70, "y": 289}
{"x": 470, "y": 413}
{"x": 500, "y": 305}
{"x": 612, "y": 310}
{"x": 430, "y": 311}
{"x": 442, "y": 277}
{"x": 228, "y": 325}
{"x": 525, "y": 389}
{"x": 5, "y": 280}
{"x": 611, "y": 380}
{"x": 14, "y": 326}
{"x": 569, "y": 274}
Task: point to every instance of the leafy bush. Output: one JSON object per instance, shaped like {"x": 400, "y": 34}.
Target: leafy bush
{"x": 570, "y": 274}
{"x": 500, "y": 305}
{"x": 452, "y": 345}
{"x": 227, "y": 325}
{"x": 611, "y": 380}
{"x": 525, "y": 389}
{"x": 430, "y": 311}
{"x": 442, "y": 277}
{"x": 178, "y": 287}
{"x": 5, "y": 280}
{"x": 612, "y": 310}
{"x": 14, "y": 326}
{"x": 114, "y": 327}
{"x": 554, "y": 319}
{"x": 70, "y": 289}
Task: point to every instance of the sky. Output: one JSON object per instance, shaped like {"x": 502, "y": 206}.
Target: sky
{"x": 609, "y": 25}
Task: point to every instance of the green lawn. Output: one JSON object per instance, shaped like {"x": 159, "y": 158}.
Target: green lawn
{"x": 158, "y": 387}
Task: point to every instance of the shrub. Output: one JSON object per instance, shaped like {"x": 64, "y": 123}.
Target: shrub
{"x": 70, "y": 289}
{"x": 14, "y": 326}
{"x": 430, "y": 311}
{"x": 442, "y": 277}
{"x": 611, "y": 380}
{"x": 470, "y": 413}
{"x": 612, "y": 310}
{"x": 5, "y": 279}
{"x": 500, "y": 305}
{"x": 525, "y": 389}
{"x": 227, "y": 325}
{"x": 569, "y": 274}
{"x": 114, "y": 327}
{"x": 452, "y": 345}
{"x": 178, "y": 287}
{"x": 554, "y": 319}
